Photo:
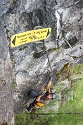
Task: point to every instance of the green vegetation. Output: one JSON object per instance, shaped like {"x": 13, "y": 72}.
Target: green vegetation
{"x": 63, "y": 73}
{"x": 23, "y": 119}
{"x": 62, "y": 119}
{"x": 70, "y": 111}
{"x": 75, "y": 102}
{"x": 14, "y": 85}
{"x": 74, "y": 95}
{"x": 78, "y": 69}
{"x": 49, "y": 119}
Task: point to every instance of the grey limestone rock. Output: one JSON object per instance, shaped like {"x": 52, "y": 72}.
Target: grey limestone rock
{"x": 17, "y": 16}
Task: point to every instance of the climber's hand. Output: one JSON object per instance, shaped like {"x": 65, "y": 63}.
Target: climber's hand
{"x": 49, "y": 84}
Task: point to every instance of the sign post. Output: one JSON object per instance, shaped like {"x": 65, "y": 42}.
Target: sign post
{"x": 30, "y": 36}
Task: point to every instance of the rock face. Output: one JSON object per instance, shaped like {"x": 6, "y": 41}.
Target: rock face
{"x": 30, "y": 63}
{"x": 6, "y": 90}
{"x": 4, "y": 6}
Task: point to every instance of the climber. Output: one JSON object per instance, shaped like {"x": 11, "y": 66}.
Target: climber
{"x": 42, "y": 99}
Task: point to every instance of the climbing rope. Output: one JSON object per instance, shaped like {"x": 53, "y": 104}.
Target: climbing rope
{"x": 40, "y": 27}
{"x": 47, "y": 56}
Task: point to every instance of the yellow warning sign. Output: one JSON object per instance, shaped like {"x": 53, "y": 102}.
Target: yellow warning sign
{"x": 30, "y": 36}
